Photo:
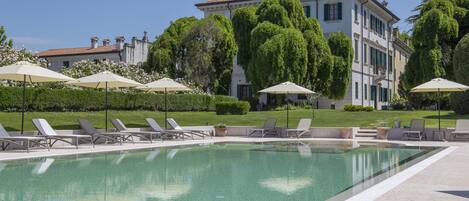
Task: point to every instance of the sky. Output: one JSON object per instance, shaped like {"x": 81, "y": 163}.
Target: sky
{"x": 39, "y": 25}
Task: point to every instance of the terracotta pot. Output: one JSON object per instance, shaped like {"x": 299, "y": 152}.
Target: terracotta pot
{"x": 346, "y": 133}
{"x": 382, "y": 133}
{"x": 220, "y": 132}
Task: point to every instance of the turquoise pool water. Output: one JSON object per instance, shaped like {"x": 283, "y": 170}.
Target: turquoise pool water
{"x": 229, "y": 171}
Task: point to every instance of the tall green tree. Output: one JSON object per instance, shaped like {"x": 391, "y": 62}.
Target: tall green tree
{"x": 296, "y": 13}
{"x": 319, "y": 73}
{"x": 208, "y": 49}
{"x": 244, "y": 21}
{"x": 459, "y": 101}
{"x": 4, "y": 41}
{"x": 342, "y": 51}
{"x": 272, "y": 11}
{"x": 165, "y": 53}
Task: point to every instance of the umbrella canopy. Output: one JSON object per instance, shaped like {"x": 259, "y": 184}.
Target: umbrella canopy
{"x": 27, "y": 72}
{"x": 164, "y": 85}
{"x": 440, "y": 85}
{"x": 287, "y": 88}
{"x": 105, "y": 80}
{"x": 33, "y": 73}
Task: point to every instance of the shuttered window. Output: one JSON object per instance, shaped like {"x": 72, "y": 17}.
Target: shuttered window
{"x": 332, "y": 12}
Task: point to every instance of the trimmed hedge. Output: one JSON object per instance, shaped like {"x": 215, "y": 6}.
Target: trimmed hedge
{"x": 233, "y": 108}
{"x": 358, "y": 108}
{"x": 53, "y": 100}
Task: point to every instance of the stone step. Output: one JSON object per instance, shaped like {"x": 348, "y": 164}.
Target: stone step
{"x": 367, "y": 131}
{"x": 365, "y": 135}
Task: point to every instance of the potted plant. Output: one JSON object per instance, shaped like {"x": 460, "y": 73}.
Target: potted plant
{"x": 220, "y": 130}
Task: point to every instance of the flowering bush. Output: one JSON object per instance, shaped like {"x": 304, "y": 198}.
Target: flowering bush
{"x": 10, "y": 55}
{"x": 133, "y": 72}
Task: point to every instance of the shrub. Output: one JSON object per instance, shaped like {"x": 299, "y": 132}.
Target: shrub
{"x": 45, "y": 99}
{"x": 399, "y": 103}
{"x": 358, "y": 108}
{"x": 234, "y": 108}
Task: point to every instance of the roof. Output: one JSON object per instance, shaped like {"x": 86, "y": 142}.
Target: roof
{"x": 77, "y": 51}
{"x": 216, "y": 2}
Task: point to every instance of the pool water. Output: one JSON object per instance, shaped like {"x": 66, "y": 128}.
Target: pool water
{"x": 296, "y": 171}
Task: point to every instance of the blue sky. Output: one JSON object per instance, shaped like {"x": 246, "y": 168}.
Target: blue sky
{"x": 40, "y": 25}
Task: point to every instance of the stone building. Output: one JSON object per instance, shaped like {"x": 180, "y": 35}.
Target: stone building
{"x": 368, "y": 23}
{"x": 134, "y": 52}
{"x": 402, "y": 52}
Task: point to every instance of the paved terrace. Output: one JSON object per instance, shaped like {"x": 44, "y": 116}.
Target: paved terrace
{"x": 446, "y": 178}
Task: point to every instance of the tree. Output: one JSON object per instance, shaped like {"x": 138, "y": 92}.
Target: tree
{"x": 342, "y": 51}
{"x": 164, "y": 54}
{"x": 244, "y": 21}
{"x": 272, "y": 11}
{"x": 296, "y": 13}
{"x": 461, "y": 69}
{"x": 281, "y": 58}
{"x": 208, "y": 50}
{"x": 319, "y": 62}
{"x": 4, "y": 41}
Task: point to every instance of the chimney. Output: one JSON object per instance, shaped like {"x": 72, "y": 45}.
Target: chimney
{"x": 145, "y": 36}
{"x": 134, "y": 41}
{"x": 385, "y": 3}
{"x": 120, "y": 42}
{"x": 106, "y": 42}
{"x": 94, "y": 42}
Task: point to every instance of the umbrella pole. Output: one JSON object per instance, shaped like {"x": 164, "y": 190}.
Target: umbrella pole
{"x": 165, "y": 109}
{"x": 288, "y": 108}
{"x": 439, "y": 109}
{"x": 105, "y": 106}
{"x": 23, "y": 108}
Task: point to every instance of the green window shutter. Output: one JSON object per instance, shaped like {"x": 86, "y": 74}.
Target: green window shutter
{"x": 339, "y": 10}
{"x": 326, "y": 12}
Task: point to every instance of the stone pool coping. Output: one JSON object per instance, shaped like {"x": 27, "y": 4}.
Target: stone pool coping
{"x": 424, "y": 177}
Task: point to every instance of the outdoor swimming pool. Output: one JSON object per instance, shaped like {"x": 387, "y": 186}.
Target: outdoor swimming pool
{"x": 306, "y": 170}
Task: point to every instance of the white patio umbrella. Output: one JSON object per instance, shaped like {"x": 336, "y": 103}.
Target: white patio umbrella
{"x": 164, "y": 85}
{"x": 105, "y": 80}
{"x": 439, "y": 85}
{"x": 287, "y": 88}
{"x": 27, "y": 72}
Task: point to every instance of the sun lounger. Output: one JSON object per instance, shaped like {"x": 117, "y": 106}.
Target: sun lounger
{"x": 267, "y": 129}
{"x": 117, "y": 123}
{"x": 49, "y": 133}
{"x": 24, "y": 142}
{"x": 462, "y": 130}
{"x": 89, "y": 129}
{"x": 416, "y": 131}
{"x": 303, "y": 128}
{"x": 165, "y": 133}
{"x": 175, "y": 126}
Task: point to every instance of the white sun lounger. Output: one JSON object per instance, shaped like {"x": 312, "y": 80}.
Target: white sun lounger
{"x": 24, "y": 142}
{"x": 49, "y": 133}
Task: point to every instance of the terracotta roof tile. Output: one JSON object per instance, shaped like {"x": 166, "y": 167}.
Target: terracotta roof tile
{"x": 77, "y": 51}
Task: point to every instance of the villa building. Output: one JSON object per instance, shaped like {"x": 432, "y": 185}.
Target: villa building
{"x": 402, "y": 52}
{"x": 369, "y": 23}
{"x": 130, "y": 53}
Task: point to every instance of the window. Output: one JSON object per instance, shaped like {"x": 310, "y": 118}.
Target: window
{"x": 356, "y": 90}
{"x": 377, "y": 59}
{"x": 390, "y": 64}
{"x": 356, "y": 50}
{"x": 244, "y": 92}
{"x": 66, "y": 64}
{"x": 366, "y": 92}
{"x": 364, "y": 18}
{"x": 356, "y": 13}
{"x": 384, "y": 94}
{"x": 365, "y": 53}
{"x": 307, "y": 10}
{"x": 332, "y": 12}
{"x": 373, "y": 93}
{"x": 377, "y": 25}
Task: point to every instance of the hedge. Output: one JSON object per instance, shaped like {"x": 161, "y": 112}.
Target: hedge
{"x": 53, "y": 100}
{"x": 358, "y": 108}
{"x": 234, "y": 108}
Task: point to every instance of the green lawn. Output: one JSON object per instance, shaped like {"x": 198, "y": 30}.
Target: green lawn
{"x": 324, "y": 118}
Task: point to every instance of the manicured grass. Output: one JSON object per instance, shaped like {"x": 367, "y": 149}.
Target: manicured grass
{"x": 323, "y": 118}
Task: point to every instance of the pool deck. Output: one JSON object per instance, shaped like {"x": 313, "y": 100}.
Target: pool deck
{"x": 446, "y": 177}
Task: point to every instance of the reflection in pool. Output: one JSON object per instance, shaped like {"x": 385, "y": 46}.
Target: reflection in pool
{"x": 307, "y": 170}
